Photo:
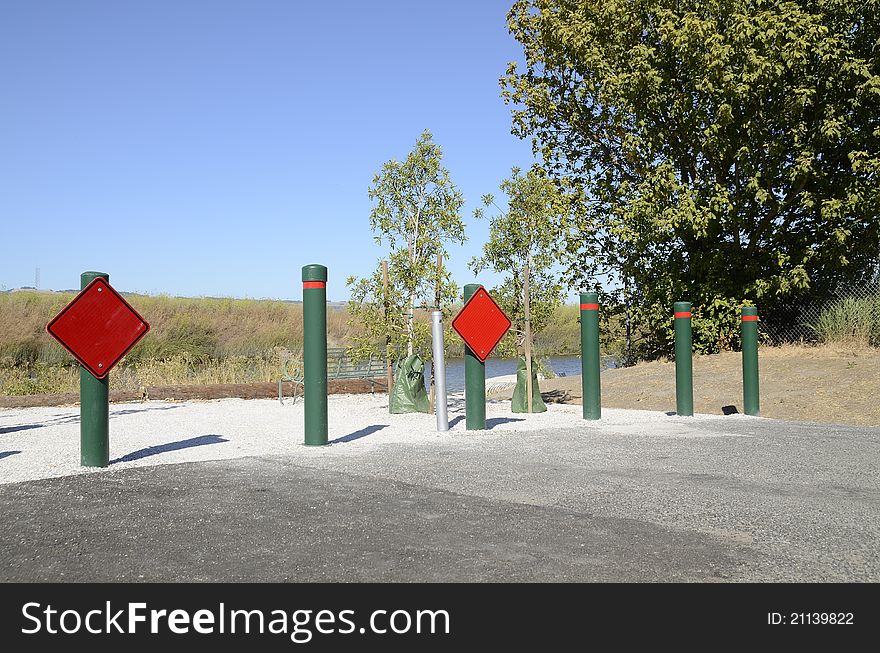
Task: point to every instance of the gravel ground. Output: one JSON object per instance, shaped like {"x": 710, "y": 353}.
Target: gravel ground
{"x": 638, "y": 495}
{"x": 44, "y": 442}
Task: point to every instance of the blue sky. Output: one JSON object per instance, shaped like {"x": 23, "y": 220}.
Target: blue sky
{"x": 214, "y": 147}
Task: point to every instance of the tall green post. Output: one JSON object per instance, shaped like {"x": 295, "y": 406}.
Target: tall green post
{"x": 94, "y": 406}
{"x": 474, "y": 381}
{"x": 684, "y": 372}
{"x": 590, "y": 384}
{"x": 751, "y": 396}
{"x": 314, "y": 279}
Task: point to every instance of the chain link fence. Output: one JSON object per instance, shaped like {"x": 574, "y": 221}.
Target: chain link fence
{"x": 851, "y": 316}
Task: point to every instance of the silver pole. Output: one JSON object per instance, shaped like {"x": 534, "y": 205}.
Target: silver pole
{"x": 439, "y": 371}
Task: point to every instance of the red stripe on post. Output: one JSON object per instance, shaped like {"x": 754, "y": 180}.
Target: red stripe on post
{"x": 589, "y": 307}
{"x": 314, "y": 284}
{"x": 683, "y": 314}
{"x": 750, "y": 318}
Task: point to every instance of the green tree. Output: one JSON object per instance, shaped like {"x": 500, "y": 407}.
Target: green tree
{"x": 523, "y": 245}
{"x": 416, "y": 212}
{"x": 727, "y": 150}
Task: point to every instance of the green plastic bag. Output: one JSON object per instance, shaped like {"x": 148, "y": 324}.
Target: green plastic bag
{"x": 519, "y": 402}
{"x": 408, "y": 394}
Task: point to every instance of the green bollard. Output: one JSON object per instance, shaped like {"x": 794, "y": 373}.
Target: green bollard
{"x": 590, "y": 384}
{"x": 474, "y": 381}
{"x": 314, "y": 279}
{"x": 94, "y": 406}
{"x": 751, "y": 397}
{"x": 684, "y": 372}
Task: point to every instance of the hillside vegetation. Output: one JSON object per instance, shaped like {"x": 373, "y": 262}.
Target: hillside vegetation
{"x": 209, "y": 340}
{"x": 191, "y": 340}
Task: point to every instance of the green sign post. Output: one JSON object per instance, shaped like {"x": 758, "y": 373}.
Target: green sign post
{"x": 94, "y": 405}
{"x": 751, "y": 395}
{"x": 590, "y": 383}
{"x": 314, "y": 279}
{"x": 474, "y": 380}
{"x": 684, "y": 372}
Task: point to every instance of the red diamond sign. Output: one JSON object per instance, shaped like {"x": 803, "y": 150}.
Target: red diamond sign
{"x": 98, "y": 327}
{"x": 481, "y": 323}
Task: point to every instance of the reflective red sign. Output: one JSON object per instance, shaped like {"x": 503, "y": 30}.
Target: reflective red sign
{"x": 481, "y": 323}
{"x": 98, "y": 327}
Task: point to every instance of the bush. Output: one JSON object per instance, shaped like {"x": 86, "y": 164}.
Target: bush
{"x": 852, "y": 322}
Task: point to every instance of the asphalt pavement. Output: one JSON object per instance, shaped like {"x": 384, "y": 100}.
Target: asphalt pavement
{"x": 745, "y": 500}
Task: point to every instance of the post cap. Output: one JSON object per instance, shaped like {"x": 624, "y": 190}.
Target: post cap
{"x": 749, "y": 310}
{"x": 681, "y": 307}
{"x": 470, "y": 289}
{"x": 87, "y": 277}
{"x": 314, "y": 272}
{"x": 589, "y": 298}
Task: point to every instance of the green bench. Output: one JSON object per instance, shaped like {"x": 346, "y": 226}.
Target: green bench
{"x": 339, "y": 366}
{"x": 292, "y": 372}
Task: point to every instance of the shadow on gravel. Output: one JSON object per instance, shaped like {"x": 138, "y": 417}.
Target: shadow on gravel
{"x": 492, "y": 422}
{"x": 171, "y": 446}
{"x": 23, "y": 427}
{"x": 68, "y": 419}
{"x": 364, "y": 432}
{"x": 63, "y": 419}
{"x": 6, "y": 454}
{"x": 130, "y": 411}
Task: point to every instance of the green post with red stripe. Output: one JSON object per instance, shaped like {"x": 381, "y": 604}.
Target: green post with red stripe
{"x": 751, "y": 395}
{"x": 314, "y": 279}
{"x": 590, "y": 384}
{"x": 684, "y": 371}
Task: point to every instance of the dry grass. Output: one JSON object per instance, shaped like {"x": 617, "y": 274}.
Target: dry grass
{"x": 828, "y": 383}
{"x": 204, "y": 340}
{"x": 137, "y": 375}
{"x": 203, "y": 327}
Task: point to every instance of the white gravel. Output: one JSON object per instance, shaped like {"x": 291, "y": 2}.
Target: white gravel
{"x": 44, "y": 442}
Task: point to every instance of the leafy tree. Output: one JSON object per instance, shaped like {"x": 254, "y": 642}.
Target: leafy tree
{"x": 727, "y": 150}
{"x": 522, "y": 244}
{"x": 381, "y": 314}
{"x": 417, "y": 210}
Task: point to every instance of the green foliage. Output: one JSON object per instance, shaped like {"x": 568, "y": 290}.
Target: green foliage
{"x": 726, "y": 150}
{"x": 211, "y": 340}
{"x": 416, "y": 212}
{"x": 526, "y": 234}
{"x": 38, "y": 378}
{"x": 382, "y": 316}
{"x": 561, "y": 333}
{"x": 182, "y": 334}
{"x": 852, "y": 322}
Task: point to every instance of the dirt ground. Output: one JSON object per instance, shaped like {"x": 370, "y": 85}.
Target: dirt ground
{"x": 813, "y": 384}
{"x": 186, "y": 392}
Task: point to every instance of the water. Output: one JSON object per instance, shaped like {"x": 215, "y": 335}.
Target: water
{"x": 561, "y": 366}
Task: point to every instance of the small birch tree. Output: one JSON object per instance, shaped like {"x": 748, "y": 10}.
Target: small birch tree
{"x": 416, "y": 212}
{"x": 523, "y": 242}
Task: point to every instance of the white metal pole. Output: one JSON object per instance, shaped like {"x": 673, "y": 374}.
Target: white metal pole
{"x": 439, "y": 371}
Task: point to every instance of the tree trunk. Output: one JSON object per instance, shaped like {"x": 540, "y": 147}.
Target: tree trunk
{"x": 628, "y": 321}
{"x": 527, "y": 344}
{"x": 409, "y": 325}
{"x": 389, "y": 374}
